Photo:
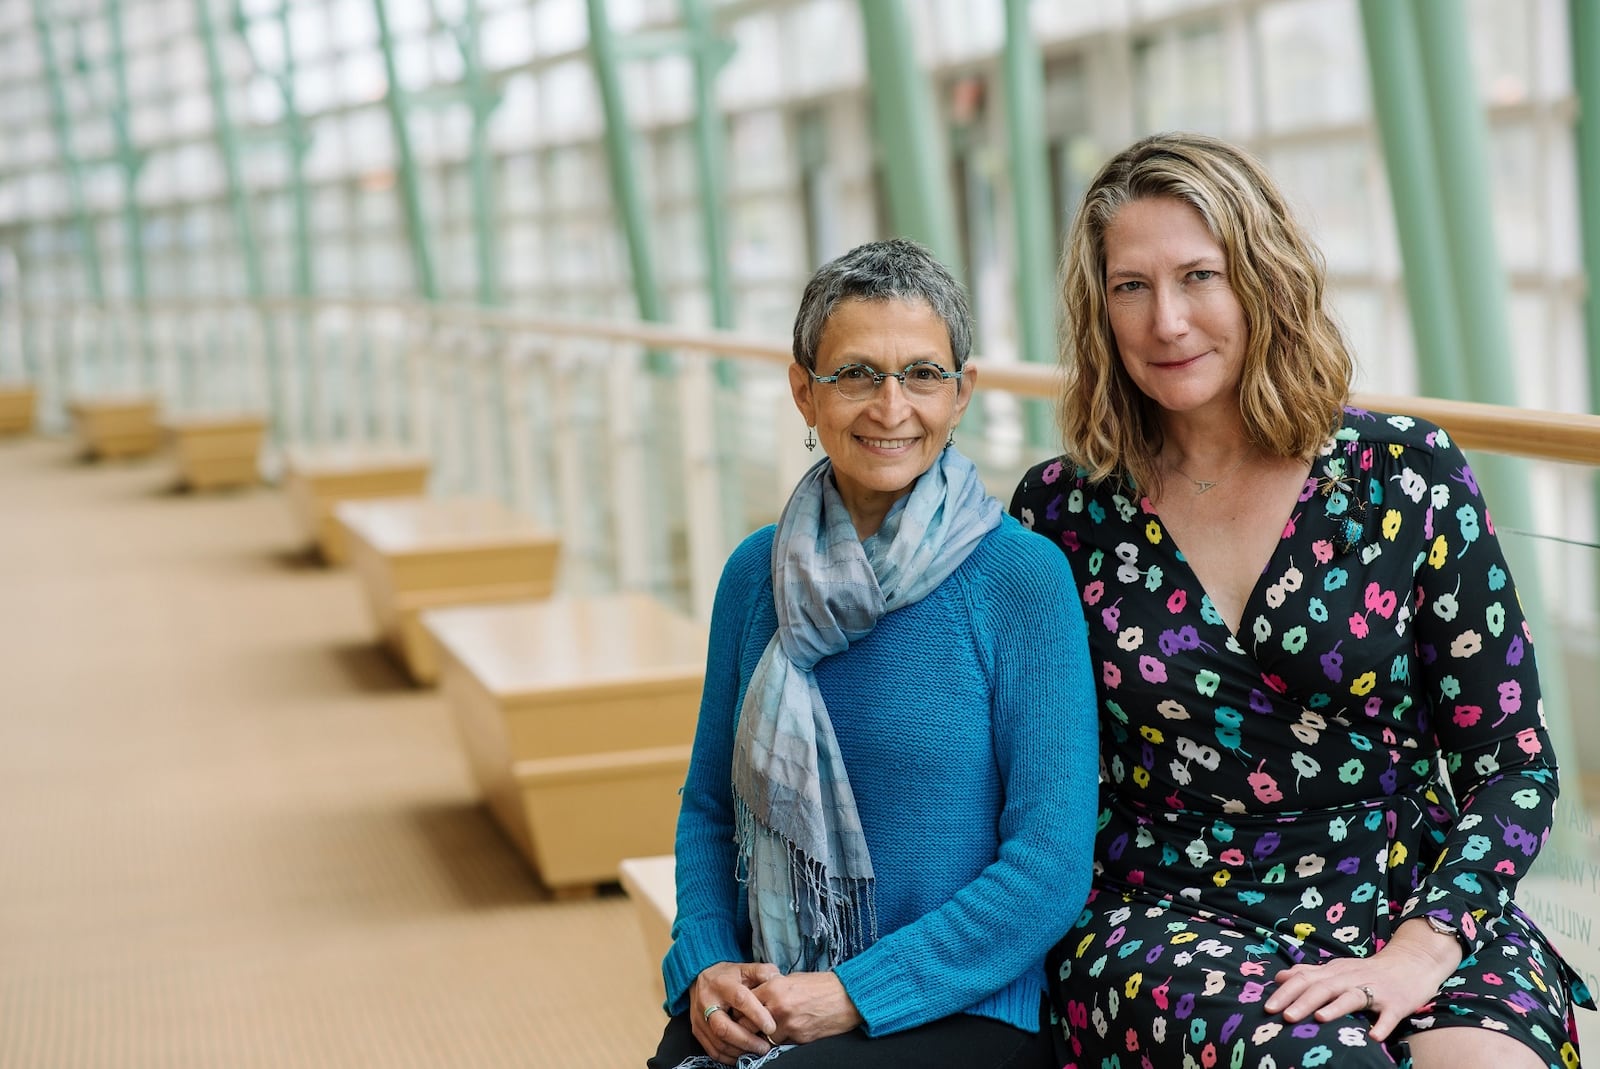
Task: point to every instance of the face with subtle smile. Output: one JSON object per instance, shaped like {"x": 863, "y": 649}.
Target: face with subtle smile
{"x": 880, "y": 446}
{"x": 1179, "y": 327}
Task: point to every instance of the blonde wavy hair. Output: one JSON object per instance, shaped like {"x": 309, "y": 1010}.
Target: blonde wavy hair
{"x": 1297, "y": 367}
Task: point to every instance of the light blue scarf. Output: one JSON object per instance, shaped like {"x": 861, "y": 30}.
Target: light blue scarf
{"x": 802, "y": 854}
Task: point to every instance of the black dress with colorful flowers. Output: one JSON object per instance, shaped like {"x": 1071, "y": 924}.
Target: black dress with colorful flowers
{"x": 1276, "y": 796}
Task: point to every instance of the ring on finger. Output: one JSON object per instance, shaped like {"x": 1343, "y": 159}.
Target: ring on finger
{"x": 1367, "y": 991}
{"x": 713, "y": 1008}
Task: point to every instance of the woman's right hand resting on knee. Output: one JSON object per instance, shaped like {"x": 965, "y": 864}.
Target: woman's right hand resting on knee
{"x": 742, "y": 1023}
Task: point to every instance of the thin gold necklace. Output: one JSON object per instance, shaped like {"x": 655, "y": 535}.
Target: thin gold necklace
{"x": 1203, "y": 485}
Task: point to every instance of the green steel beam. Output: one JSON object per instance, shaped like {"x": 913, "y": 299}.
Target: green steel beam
{"x": 410, "y": 185}
{"x": 1584, "y": 26}
{"x": 619, "y": 153}
{"x": 1033, "y": 263}
{"x": 69, "y": 161}
{"x": 708, "y": 54}
{"x": 1400, "y": 101}
{"x": 302, "y": 271}
{"x": 907, "y": 125}
{"x": 482, "y": 99}
{"x": 1585, "y": 22}
{"x": 228, "y": 141}
{"x": 1461, "y": 146}
{"x": 132, "y": 160}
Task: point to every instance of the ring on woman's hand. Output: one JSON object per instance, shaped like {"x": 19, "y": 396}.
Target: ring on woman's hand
{"x": 1365, "y": 990}
{"x": 713, "y": 1008}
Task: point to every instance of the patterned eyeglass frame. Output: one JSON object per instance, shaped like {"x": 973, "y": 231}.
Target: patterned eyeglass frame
{"x": 879, "y": 376}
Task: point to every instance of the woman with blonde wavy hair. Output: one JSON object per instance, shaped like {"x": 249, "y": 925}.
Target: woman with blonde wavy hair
{"x": 1325, "y": 766}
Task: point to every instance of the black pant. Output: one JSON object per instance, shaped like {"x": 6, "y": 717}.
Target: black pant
{"x": 959, "y": 1041}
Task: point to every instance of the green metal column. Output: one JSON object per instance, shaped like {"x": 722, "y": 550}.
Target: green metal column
{"x": 1461, "y": 144}
{"x": 482, "y": 100}
{"x": 619, "y": 152}
{"x": 410, "y": 186}
{"x": 301, "y": 270}
{"x": 708, "y": 54}
{"x": 228, "y": 141}
{"x": 132, "y": 161}
{"x": 907, "y": 126}
{"x": 69, "y": 159}
{"x": 1401, "y": 104}
{"x": 1034, "y": 259}
{"x": 249, "y": 251}
{"x": 1585, "y": 24}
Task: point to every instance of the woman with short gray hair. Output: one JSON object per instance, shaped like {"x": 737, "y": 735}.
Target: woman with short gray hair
{"x": 889, "y": 806}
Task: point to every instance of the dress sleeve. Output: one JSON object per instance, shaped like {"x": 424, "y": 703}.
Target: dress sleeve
{"x": 706, "y": 928}
{"x": 1482, "y": 689}
{"x": 1047, "y": 754}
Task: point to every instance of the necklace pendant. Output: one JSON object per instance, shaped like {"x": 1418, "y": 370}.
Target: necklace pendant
{"x": 1201, "y": 486}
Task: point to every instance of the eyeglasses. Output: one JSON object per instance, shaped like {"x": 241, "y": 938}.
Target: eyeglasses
{"x": 857, "y": 382}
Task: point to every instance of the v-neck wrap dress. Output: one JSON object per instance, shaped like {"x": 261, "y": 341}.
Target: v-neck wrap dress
{"x": 1276, "y": 796}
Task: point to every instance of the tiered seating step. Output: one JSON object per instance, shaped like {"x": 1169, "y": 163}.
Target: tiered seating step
{"x": 576, "y": 715}
{"x": 420, "y": 553}
{"x": 17, "y": 403}
{"x": 217, "y": 450}
{"x": 117, "y": 426}
{"x": 317, "y": 478}
{"x": 651, "y": 883}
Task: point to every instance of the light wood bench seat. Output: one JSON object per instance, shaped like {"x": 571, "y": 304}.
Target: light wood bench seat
{"x": 17, "y": 403}
{"x": 576, "y": 716}
{"x": 421, "y": 553}
{"x": 651, "y": 883}
{"x": 317, "y": 478}
{"x": 217, "y": 449}
{"x": 113, "y": 426}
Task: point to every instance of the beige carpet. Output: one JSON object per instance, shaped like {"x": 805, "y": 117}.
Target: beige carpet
{"x": 230, "y": 835}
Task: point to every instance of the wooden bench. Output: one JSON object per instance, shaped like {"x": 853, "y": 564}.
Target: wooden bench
{"x": 651, "y": 883}
{"x": 17, "y": 403}
{"x": 318, "y": 478}
{"x": 217, "y": 450}
{"x": 117, "y": 426}
{"x": 577, "y": 716}
{"x": 421, "y": 553}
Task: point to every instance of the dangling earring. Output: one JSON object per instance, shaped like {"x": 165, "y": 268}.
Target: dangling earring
{"x": 950, "y": 441}
{"x": 811, "y": 439}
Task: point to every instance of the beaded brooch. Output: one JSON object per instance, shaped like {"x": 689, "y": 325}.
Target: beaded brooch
{"x": 1348, "y": 512}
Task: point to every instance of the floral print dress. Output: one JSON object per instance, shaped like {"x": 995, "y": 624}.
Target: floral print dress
{"x": 1275, "y": 796}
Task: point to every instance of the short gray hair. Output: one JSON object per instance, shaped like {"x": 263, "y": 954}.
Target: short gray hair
{"x": 897, "y": 269}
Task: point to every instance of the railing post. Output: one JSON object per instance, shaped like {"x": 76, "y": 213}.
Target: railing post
{"x": 572, "y": 489}
{"x": 630, "y": 490}
{"x": 702, "y": 492}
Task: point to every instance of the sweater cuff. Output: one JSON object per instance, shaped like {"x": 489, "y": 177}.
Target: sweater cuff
{"x": 884, "y": 992}
{"x": 693, "y": 950}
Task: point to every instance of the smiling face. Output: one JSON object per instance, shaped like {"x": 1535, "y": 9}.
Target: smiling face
{"x": 880, "y": 446}
{"x": 1180, "y": 329}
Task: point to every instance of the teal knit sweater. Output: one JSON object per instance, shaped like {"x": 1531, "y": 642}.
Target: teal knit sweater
{"x": 967, "y": 723}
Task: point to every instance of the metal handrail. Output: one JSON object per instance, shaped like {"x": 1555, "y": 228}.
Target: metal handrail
{"x": 1567, "y": 437}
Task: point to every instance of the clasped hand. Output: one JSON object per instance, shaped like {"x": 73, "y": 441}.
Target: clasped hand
{"x": 759, "y": 1006}
{"x": 1402, "y": 977}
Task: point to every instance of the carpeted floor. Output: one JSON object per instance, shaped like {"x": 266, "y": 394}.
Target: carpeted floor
{"x": 231, "y": 835}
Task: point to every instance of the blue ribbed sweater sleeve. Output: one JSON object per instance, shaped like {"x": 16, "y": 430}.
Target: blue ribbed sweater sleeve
{"x": 711, "y": 924}
{"x": 967, "y": 722}
{"x": 970, "y": 952}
